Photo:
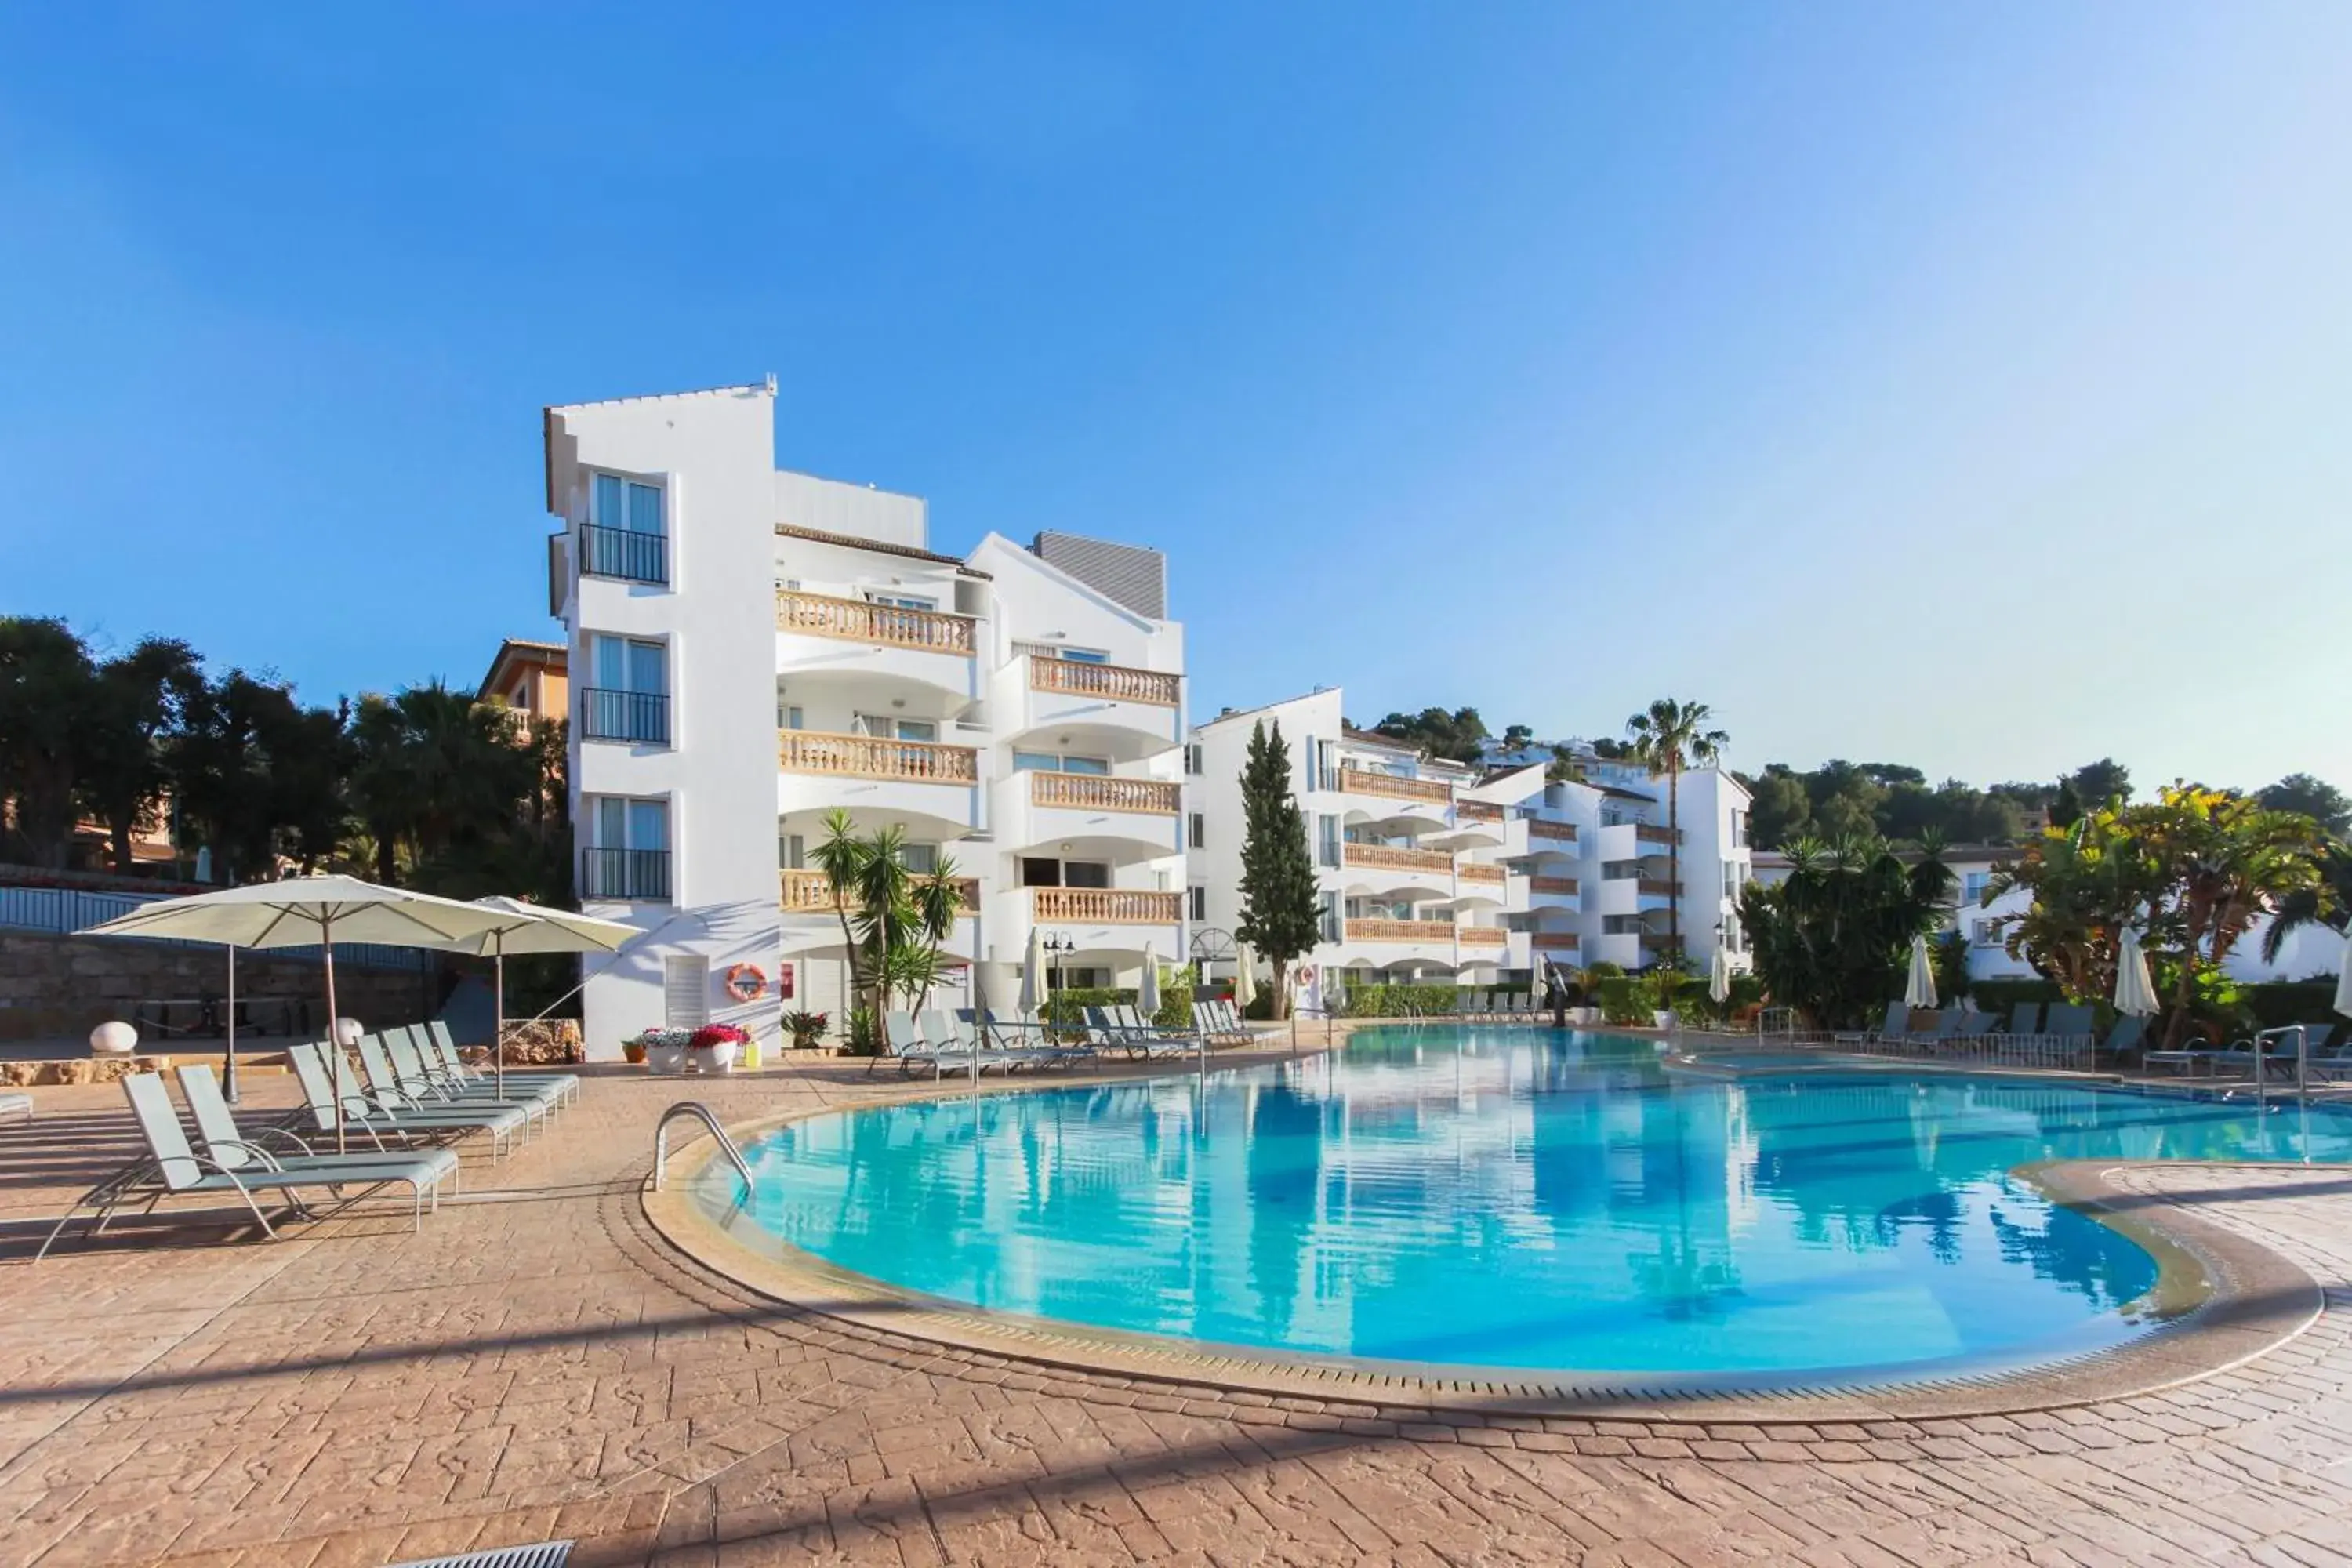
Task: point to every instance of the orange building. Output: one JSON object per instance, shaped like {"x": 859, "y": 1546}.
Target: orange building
{"x": 532, "y": 676}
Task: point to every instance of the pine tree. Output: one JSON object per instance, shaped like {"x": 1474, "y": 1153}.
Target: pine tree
{"x": 1281, "y": 915}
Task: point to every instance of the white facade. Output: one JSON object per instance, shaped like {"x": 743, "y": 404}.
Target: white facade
{"x": 751, "y": 649}
{"x": 1435, "y": 872}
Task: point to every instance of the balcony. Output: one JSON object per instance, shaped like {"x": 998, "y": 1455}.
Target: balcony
{"x": 1477, "y": 811}
{"x": 1103, "y": 792}
{"x": 1401, "y": 931}
{"x": 617, "y": 874}
{"x": 1396, "y": 858}
{"x": 861, "y": 621}
{"x": 1659, "y": 886}
{"x": 1481, "y": 936}
{"x": 810, "y": 892}
{"x": 1650, "y": 833}
{"x": 609, "y": 715}
{"x": 1481, "y": 873}
{"x": 1551, "y": 832}
{"x": 1107, "y": 906}
{"x": 1554, "y": 940}
{"x": 1554, "y": 887}
{"x": 871, "y": 757}
{"x": 624, "y": 553}
{"x": 1388, "y": 787}
{"x": 1111, "y": 682}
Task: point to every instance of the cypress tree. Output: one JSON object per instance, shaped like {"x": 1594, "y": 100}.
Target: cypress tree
{"x": 1280, "y": 915}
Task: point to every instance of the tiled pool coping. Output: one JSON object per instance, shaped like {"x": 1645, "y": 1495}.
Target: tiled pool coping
{"x": 2230, "y": 1299}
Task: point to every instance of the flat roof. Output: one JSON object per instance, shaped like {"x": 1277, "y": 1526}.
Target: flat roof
{"x": 879, "y": 547}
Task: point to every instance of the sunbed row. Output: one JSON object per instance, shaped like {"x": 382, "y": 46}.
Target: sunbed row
{"x": 395, "y": 1130}
{"x": 985, "y": 1041}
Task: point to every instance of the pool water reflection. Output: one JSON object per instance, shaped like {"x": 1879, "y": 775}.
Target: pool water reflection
{"x": 1512, "y": 1198}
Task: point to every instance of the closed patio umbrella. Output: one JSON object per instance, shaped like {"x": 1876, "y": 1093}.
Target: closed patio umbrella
{"x": 1919, "y": 989}
{"x": 1032, "y": 989}
{"x": 532, "y": 927}
{"x": 2344, "y": 979}
{"x": 302, "y": 911}
{"x": 2135, "y": 994}
{"x": 1147, "y": 989}
{"x": 1718, "y": 977}
{"x": 1245, "y": 979}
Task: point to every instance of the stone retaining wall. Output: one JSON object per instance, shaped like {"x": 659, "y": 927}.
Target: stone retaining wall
{"x": 67, "y": 985}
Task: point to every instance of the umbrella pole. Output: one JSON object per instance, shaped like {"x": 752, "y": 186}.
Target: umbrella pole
{"x": 334, "y": 1028}
{"x": 499, "y": 1016}
{"x": 228, "y": 1063}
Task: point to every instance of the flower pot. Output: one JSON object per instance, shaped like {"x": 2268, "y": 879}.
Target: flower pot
{"x": 631, "y": 1052}
{"x": 666, "y": 1058}
{"x": 719, "y": 1057}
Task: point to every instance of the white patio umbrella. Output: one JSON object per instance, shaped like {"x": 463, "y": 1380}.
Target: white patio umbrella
{"x": 1920, "y": 990}
{"x": 532, "y": 927}
{"x": 301, "y": 911}
{"x": 2135, "y": 994}
{"x": 1718, "y": 977}
{"x": 2344, "y": 979}
{"x": 1033, "y": 987}
{"x": 1244, "y": 978}
{"x": 1147, "y": 989}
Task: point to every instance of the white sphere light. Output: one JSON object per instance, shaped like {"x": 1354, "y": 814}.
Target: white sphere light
{"x": 114, "y": 1038}
{"x": 348, "y": 1031}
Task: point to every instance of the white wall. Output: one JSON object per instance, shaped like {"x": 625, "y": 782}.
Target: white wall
{"x": 713, "y": 452}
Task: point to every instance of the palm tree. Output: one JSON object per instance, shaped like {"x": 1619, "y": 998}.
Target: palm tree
{"x": 2329, "y": 904}
{"x": 1666, "y": 740}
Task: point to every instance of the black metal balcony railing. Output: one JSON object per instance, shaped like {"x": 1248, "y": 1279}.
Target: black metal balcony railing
{"x": 609, "y": 715}
{"x": 620, "y": 552}
{"x": 624, "y": 874}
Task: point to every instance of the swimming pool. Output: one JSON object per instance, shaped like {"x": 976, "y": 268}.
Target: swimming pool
{"x": 1514, "y": 1198}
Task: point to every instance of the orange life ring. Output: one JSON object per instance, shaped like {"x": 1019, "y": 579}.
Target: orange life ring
{"x": 745, "y": 983}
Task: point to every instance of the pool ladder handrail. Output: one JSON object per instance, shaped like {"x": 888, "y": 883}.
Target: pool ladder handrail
{"x": 701, "y": 1112}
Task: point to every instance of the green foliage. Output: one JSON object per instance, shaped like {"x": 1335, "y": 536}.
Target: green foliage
{"x": 1280, "y": 912}
{"x": 2315, "y": 798}
{"x": 865, "y": 1038}
{"x": 1832, "y": 940}
{"x": 1455, "y": 736}
{"x": 1623, "y": 999}
{"x": 1950, "y": 953}
{"x": 1601, "y": 969}
{"x": 1399, "y": 1001}
{"x": 892, "y": 920}
{"x": 806, "y": 1028}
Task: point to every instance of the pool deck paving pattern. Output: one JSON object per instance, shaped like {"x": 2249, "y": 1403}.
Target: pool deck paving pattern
{"x": 539, "y": 1363}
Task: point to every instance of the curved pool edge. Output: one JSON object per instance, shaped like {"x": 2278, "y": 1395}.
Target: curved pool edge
{"x": 2229, "y": 1300}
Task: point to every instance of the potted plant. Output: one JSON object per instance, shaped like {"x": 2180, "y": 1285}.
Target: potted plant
{"x": 805, "y": 1027}
{"x": 665, "y": 1049}
{"x": 633, "y": 1052}
{"x": 713, "y": 1047}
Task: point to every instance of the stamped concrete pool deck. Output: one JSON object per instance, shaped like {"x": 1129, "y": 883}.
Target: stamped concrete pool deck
{"x": 539, "y": 1362}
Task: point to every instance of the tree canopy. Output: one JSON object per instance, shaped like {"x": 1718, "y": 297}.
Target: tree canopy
{"x": 1281, "y": 912}
{"x": 1456, "y": 735}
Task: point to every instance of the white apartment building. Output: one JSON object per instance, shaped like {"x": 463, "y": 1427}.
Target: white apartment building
{"x": 1433, "y": 870}
{"x": 752, "y": 648}
{"x": 2307, "y": 954}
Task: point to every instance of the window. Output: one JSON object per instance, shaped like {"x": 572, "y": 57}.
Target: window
{"x": 1192, "y": 760}
{"x": 1086, "y": 873}
{"x": 1326, "y": 839}
{"x": 1054, "y": 763}
{"x": 884, "y": 728}
{"x": 627, "y": 854}
{"x": 1972, "y": 887}
{"x": 624, "y": 536}
{"x": 1731, "y": 878}
{"x": 1330, "y": 915}
{"x": 1085, "y": 656}
{"x": 1200, "y": 905}
{"x": 1198, "y": 835}
{"x": 1985, "y": 932}
{"x": 1620, "y": 870}
{"x": 1039, "y": 871}
{"x": 792, "y": 851}
{"x": 1621, "y": 925}
{"x": 922, "y": 859}
{"x": 788, "y": 717}
{"x": 901, "y": 601}
{"x": 1085, "y": 978}
{"x": 1738, "y": 830}
{"x": 1049, "y": 650}
{"x": 628, "y": 698}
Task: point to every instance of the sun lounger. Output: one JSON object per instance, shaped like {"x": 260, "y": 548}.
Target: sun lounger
{"x": 2025, "y": 1019}
{"x": 421, "y": 1066}
{"x": 437, "y": 1041}
{"x": 171, "y": 1168}
{"x": 1157, "y": 1041}
{"x": 16, "y": 1105}
{"x": 273, "y": 1148}
{"x": 358, "y": 1107}
{"x": 398, "y": 1093}
{"x": 2068, "y": 1018}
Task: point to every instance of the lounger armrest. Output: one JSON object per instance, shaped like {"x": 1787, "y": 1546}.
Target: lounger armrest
{"x": 268, "y": 1161}
{"x": 282, "y": 1132}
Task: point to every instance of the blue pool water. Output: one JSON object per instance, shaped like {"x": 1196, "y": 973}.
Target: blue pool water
{"x": 1513, "y": 1199}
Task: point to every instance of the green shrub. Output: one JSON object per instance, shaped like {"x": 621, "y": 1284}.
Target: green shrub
{"x": 1624, "y": 1000}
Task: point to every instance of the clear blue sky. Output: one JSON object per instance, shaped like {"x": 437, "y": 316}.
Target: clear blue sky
{"x": 1966, "y": 385}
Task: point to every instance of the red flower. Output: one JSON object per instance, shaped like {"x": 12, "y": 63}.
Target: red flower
{"x": 718, "y": 1034}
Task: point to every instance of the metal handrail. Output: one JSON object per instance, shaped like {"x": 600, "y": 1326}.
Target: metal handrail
{"x": 695, "y": 1108}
